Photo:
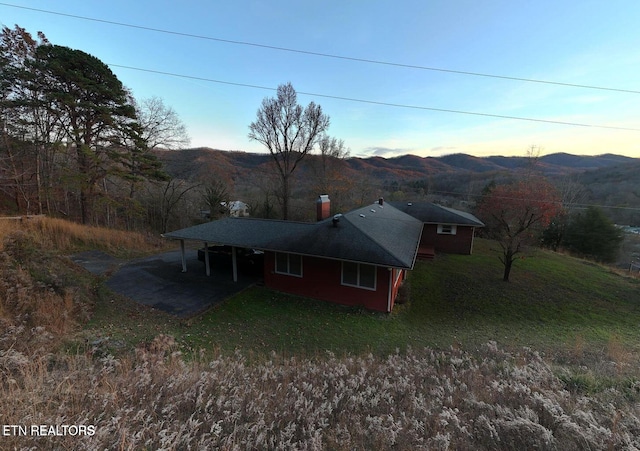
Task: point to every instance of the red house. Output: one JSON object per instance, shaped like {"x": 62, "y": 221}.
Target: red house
{"x": 445, "y": 229}
{"x": 357, "y": 258}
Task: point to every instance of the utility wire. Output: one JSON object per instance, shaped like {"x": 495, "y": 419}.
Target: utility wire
{"x": 374, "y": 102}
{"x": 326, "y": 55}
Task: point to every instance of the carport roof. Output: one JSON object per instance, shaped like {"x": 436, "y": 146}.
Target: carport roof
{"x": 375, "y": 234}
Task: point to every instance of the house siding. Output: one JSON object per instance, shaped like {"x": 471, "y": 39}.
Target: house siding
{"x": 460, "y": 243}
{"x": 397, "y": 277}
{"x": 321, "y": 279}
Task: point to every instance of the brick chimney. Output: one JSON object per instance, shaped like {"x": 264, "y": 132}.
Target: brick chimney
{"x": 323, "y": 207}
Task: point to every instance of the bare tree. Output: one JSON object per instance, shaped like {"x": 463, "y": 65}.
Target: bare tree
{"x": 332, "y": 150}
{"x": 161, "y": 125}
{"x": 165, "y": 198}
{"x": 532, "y": 158}
{"x": 289, "y": 132}
{"x": 331, "y": 174}
{"x": 516, "y": 214}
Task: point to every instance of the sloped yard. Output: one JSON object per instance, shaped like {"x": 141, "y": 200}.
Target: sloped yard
{"x": 554, "y": 303}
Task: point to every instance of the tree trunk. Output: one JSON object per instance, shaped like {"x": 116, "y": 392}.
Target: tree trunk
{"x": 83, "y": 206}
{"x": 508, "y": 263}
{"x": 285, "y": 197}
{"x": 507, "y": 270}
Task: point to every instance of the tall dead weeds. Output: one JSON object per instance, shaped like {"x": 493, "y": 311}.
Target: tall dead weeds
{"x": 421, "y": 399}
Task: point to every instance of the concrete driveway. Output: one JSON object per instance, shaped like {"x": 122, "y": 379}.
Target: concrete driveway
{"x": 159, "y": 282}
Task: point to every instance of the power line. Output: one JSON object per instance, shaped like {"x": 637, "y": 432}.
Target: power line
{"x": 326, "y": 55}
{"x": 374, "y": 102}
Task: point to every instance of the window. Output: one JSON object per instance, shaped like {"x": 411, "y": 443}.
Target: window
{"x": 289, "y": 264}
{"x": 446, "y": 229}
{"x": 359, "y": 275}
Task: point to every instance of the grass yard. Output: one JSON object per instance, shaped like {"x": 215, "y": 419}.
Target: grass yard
{"x": 556, "y": 304}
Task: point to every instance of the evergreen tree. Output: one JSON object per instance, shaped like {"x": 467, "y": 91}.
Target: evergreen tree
{"x": 592, "y": 234}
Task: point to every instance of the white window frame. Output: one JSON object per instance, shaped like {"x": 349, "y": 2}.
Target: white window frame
{"x": 450, "y": 229}
{"x": 357, "y": 284}
{"x": 288, "y": 271}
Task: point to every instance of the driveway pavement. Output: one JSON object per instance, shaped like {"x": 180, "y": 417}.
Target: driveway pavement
{"x": 159, "y": 282}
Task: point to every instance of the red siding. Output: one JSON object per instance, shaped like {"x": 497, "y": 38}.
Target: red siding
{"x": 460, "y": 243}
{"x": 321, "y": 279}
{"x": 398, "y": 277}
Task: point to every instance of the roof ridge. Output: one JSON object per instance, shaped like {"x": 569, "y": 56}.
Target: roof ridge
{"x": 388, "y": 251}
{"x": 253, "y": 218}
{"x": 373, "y": 240}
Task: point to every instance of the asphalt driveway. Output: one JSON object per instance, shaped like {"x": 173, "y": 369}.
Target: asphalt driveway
{"x": 159, "y": 282}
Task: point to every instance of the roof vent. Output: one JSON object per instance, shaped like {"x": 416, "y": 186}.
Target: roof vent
{"x": 336, "y": 219}
{"x": 409, "y": 204}
{"x": 362, "y": 216}
{"x": 372, "y": 210}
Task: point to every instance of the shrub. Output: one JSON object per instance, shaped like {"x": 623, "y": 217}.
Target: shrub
{"x": 592, "y": 234}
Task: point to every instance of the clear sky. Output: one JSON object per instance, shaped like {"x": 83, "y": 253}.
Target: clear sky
{"x": 594, "y": 43}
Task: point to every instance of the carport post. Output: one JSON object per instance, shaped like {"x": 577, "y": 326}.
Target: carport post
{"x": 234, "y": 261}
{"x": 184, "y": 258}
{"x": 206, "y": 259}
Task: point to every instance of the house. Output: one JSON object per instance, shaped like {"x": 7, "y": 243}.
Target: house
{"x": 237, "y": 208}
{"x": 358, "y": 258}
{"x": 445, "y": 229}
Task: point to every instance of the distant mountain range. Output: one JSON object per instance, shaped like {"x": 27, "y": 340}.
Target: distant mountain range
{"x": 558, "y": 163}
{"x": 607, "y": 180}
{"x": 196, "y": 163}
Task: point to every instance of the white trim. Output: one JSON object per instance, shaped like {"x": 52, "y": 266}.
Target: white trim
{"x": 207, "y": 264}
{"x": 398, "y": 274}
{"x": 234, "y": 263}
{"x": 183, "y": 256}
{"x": 447, "y": 229}
{"x": 288, "y": 272}
{"x": 357, "y": 284}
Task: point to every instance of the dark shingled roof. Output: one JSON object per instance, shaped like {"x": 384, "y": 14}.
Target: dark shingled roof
{"x": 376, "y": 234}
{"x": 430, "y": 213}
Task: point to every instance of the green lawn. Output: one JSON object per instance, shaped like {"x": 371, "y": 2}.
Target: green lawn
{"x": 553, "y": 303}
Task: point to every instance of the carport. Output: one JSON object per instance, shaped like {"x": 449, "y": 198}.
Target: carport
{"x": 207, "y": 261}
{"x": 237, "y": 233}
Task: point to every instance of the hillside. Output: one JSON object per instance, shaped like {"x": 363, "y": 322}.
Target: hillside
{"x": 608, "y": 180}
{"x": 547, "y": 361}
{"x": 466, "y": 360}
{"x": 197, "y": 162}
{"x": 617, "y": 187}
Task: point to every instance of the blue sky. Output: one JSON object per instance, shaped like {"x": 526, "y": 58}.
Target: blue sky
{"x": 585, "y": 42}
